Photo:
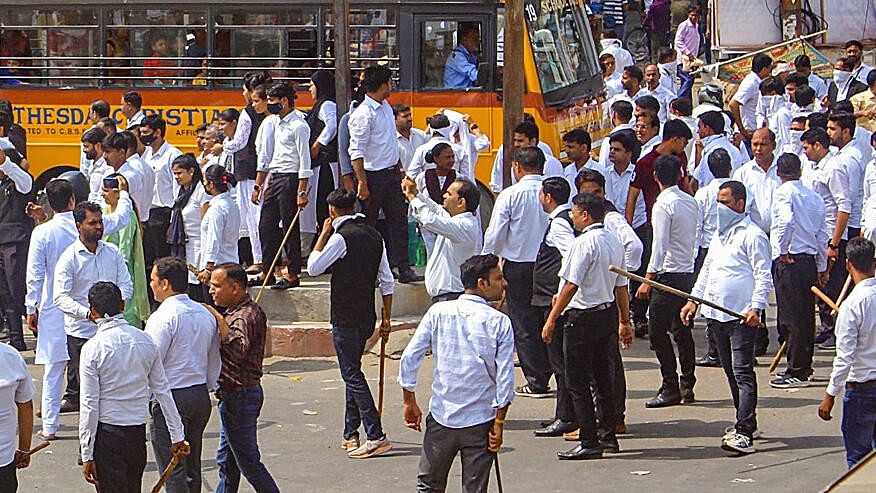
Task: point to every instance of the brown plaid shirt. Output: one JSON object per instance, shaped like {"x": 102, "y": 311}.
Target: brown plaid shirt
{"x": 243, "y": 351}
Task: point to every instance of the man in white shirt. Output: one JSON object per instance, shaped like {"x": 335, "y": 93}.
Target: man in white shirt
{"x": 735, "y": 274}
{"x": 87, "y": 261}
{"x": 515, "y": 233}
{"x": 354, "y": 278}
{"x": 594, "y": 301}
{"x": 674, "y": 219}
{"x": 631, "y": 82}
{"x": 577, "y": 144}
{"x": 121, "y": 368}
{"x": 525, "y": 134}
{"x": 409, "y": 138}
{"x": 798, "y": 243}
{"x": 115, "y": 152}
{"x": 621, "y": 115}
{"x": 16, "y": 413}
{"x": 854, "y": 367}
{"x": 375, "y": 158}
{"x": 185, "y": 334}
{"x": 803, "y": 66}
{"x": 290, "y": 172}
{"x": 131, "y": 108}
{"x": 457, "y": 230}
{"x": 158, "y": 156}
{"x": 743, "y": 106}
{"x": 712, "y": 136}
{"x": 759, "y": 177}
{"x": 92, "y": 148}
{"x": 655, "y": 89}
{"x": 473, "y": 355}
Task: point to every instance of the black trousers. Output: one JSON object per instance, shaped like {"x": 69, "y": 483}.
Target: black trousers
{"x": 736, "y": 351}
{"x": 155, "y": 245}
{"x": 440, "y": 447}
{"x": 13, "y": 266}
{"x": 589, "y": 339}
{"x": 384, "y": 188}
{"x": 836, "y": 279}
{"x": 74, "y": 349}
{"x": 637, "y": 306}
{"x": 120, "y": 457}
{"x": 325, "y": 186}
{"x": 665, "y": 320}
{"x": 8, "y": 478}
{"x": 796, "y": 310}
{"x": 194, "y": 407}
{"x": 564, "y": 409}
{"x": 527, "y": 323}
{"x": 279, "y": 206}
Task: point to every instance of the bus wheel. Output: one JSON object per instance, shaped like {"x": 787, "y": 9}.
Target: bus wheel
{"x": 485, "y": 209}
{"x": 40, "y": 183}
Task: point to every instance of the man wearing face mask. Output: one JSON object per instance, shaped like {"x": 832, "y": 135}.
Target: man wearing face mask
{"x": 735, "y": 274}
{"x": 844, "y": 84}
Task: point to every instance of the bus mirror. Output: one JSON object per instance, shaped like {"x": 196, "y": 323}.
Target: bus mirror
{"x": 485, "y": 74}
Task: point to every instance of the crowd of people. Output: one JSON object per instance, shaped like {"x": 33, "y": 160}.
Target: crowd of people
{"x": 125, "y": 282}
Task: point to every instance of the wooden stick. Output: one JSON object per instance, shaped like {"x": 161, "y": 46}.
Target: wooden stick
{"x": 382, "y": 365}
{"x": 270, "y": 271}
{"x": 36, "y": 449}
{"x": 498, "y": 474}
{"x": 676, "y": 292}
{"x": 166, "y": 474}
{"x": 823, "y": 297}
{"x": 843, "y": 293}
{"x": 778, "y": 357}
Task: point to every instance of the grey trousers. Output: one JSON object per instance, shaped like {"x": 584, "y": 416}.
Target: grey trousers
{"x": 193, "y": 405}
{"x": 440, "y": 446}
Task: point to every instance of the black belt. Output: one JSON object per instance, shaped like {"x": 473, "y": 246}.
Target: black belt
{"x": 594, "y": 309}
{"x": 801, "y": 255}
{"x": 861, "y": 385}
{"x": 384, "y": 170}
{"x": 280, "y": 175}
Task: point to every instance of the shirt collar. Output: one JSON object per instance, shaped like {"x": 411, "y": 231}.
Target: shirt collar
{"x": 338, "y": 221}
{"x": 161, "y": 149}
{"x": 177, "y": 298}
{"x": 293, "y": 115}
{"x": 592, "y": 227}
{"x": 111, "y": 322}
{"x": 473, "y": 297}
{"x": 234, "y": 308}
{"x": 537, "y": 178}
{"x": 80, "y": 247}
{"x": 559, "y": 210}
{"x": 371, "y": 103}
{"x": 870, "y": 281}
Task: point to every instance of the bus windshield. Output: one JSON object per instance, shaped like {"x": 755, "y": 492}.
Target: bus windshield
{"x": 564, "y": 51}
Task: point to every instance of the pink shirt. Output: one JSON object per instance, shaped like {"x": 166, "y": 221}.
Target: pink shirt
{"x": 687, "y": 40}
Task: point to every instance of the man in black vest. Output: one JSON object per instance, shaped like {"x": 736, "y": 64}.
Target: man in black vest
{"x": 15, "y": 227}
{"x": 558, "y": 236}
{"x": 354, "y": 278}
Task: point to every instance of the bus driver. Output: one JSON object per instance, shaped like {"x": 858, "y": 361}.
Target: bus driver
{"x": 461, "y": 70}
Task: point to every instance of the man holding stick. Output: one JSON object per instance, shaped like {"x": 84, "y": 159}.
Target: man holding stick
{"x": 735, "y": 274}
{"x": 473, "y": 366}
{"x": 353, "y": 281}
{"x": 16, "y": 399}
{"x": 854, "y": 366}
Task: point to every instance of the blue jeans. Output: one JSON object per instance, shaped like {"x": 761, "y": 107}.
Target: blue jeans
{"x": 687, "y": 81}
{"x": 859, "y": 422}
{"x": 349, "y": 346}
{"x": 238, "y": 447}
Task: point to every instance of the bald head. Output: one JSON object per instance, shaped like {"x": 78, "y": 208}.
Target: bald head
{"x": 764, "y": 133}
{"x": 652, "y": 76}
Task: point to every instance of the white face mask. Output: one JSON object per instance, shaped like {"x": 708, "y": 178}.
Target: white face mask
{"x": 795, "y": 146}
{"x": 727, "y": 218}
{"x": 841, "y": 77}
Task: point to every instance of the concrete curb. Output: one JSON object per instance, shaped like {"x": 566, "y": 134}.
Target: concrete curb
{"x": 311, "y": 339}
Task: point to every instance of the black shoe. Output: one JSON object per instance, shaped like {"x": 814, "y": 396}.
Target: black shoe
{"x": 545, "y": 424}
{"x": 19, "y": 345}
{"x": 68, "y": 407}
{"x": 709, "y": 362}
{"x": 582, "y": 451}
{"x": 556, "y": 429}
{"x": 664, "y": 399}
{"x": 256, "y": 282}
{"x": 609, "y": 444}
{"x": 641, "y": 330}
{"x": 408, "y": 276}
{"x": 687, "y": 396}
{"x": 287, "y": 283}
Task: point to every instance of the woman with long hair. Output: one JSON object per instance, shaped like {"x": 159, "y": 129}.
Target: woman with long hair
{"x": 184, "y": 233}
{"x": 322, "y": 120}
{"x": 220, "y": 226}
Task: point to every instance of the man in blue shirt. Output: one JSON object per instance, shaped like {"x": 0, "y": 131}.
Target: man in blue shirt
{"x": 461, "y": 70}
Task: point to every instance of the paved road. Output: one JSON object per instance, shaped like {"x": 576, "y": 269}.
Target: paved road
{"x": 679, "y": 446}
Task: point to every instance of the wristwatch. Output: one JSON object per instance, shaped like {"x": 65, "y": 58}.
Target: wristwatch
{"x": 302, "y": 193}
{"x": 832, "y": 246}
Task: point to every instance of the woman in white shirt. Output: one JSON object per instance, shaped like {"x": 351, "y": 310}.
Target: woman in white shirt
{"x": 323, "y": 122}
{"x": 184, "y": 233}
{"x": 220, "y": 227}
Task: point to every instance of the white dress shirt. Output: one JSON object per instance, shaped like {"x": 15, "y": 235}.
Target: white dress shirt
{"x": 674, "y": 219}
{"x": 617, "y": 186}
{"x": 140, "y": 184}
{"x": 849, "y": 157}
{"x": 220, "y": 230}
{"x": 747, "y": 96}
{"x": 118, "y": 371}
{"x": 570, "y": 172}
{"x": 517, "y": 223}
{"x": 473, "y": 361}
{"x": 761, "y": 185}
{"x": 291, "y": 153}
{"x": 605, "y": 145}
{"x": 188, "y": 342}
{"x": 373, "y": 135}
{"x": 165, "y": 188}
{"x": 649, "y": 146}
{"x": 16, "y": 387}
{"x": 191, "y": 216}
{"x": 23, "y": 181}
{"x": 664, "y": 96}
{"x": 711, "y": 143}
{"x": 99, "y": 169}
{"x": 798, "y": 223}
{"x": 586, "y": 266}
{"x": 618, "y": 226}
{"x": 559, "y": 234}
{"x": 736, "y": 272}
{"x": 818, "y": 85}
{"x": 336, "y": 248}
{"x": 855, "y": 359}
{"x": 868, "y": 220}
{"x": 76, "y": 272}
{"x": 407, "y": 145}
{"x": 458, "y": 239}
{"x": 552, "y": 167}
{"x": 707, "y": 207}
{"x": 830, "y": 180}
{"x": 264, "y": 143}
{"x": 862, "y": 72}
{"x": 417, "y": 164}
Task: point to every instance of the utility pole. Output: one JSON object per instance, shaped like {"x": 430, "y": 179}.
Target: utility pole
{"x": 341, "y": 10}
{"x": 513, "y": 82}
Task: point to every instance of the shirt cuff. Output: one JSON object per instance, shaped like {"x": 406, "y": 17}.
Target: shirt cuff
{"x": 833, "y": 390}
{"x": 305, "y": 174}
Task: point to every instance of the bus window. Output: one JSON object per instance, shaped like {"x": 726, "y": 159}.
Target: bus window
{"x": 47, "y": 47}
{"x": 373, "y": 39}
{"x": 450, "y": 54}
{"x": 155, "y": 43}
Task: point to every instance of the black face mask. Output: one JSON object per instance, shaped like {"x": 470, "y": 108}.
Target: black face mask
{"x": 147, "y": 139}
{"x": 274, "y": 108}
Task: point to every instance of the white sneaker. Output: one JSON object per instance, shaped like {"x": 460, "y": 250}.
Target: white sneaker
{"x": 731, "y": 430}
{"x": 371, "y": 448}
{"x": 738, "y": 443}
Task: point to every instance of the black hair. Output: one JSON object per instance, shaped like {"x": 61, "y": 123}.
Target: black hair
{"x": 282, "y": 90}
{"x": 251, "y": 80}
{"x": 325, "y": 85}
{"x": 436, "y": 151}
{"x": 466, "y": 28}
{"x": 115, "y": 141}
{"x": 771, "y": 85}
{"x": 529, "y": 129}
{"x": 59, "y": 193}
{"x": 760, "y": 62}
{"x": 804, "y": 96}
{"x": 557, "y": 187}
{"x": 5, "y": 120}
{"x": 860, "y": 252}
{"x": 634, "y": 72}
{"x": 342, "y": 199}
{"x": 649, "y": 103}
{"x": 797, "y": 79}
{"x": 816, "y": 135}
{"x": 174, "y": 270}
{"x": 713, "y": 120}
{"x": 80, "y": 212}
{"x": 627, "y": 138}
{"x": 682, "y": 106}
{"x": 841, "y": 107}
{"x": 101, "y": 108}
{"x": 623, "y": 109}
{"x": 846, "y": 63}
{"x": 400, "y": 108}
{"x": 788, "y": 165}
{"x": 676, "y": 128}
{"x": 578, "y": 136}
{"x": 817, "y": 119}
{"x": 855, "y": 43}
{"x": 471, "y": 193}
{"x": 229, "y": 115}
{"x": 846, "y": 121}
{"x": 665, "y": 54}
{"x": 871, "y": 78}
{"x": 530, "y": 158}
{"x": 260, "y": 90}
{"x": 133, "y": 98}
{"x": 720, "y": 163}
{"x": 476, "y": 268}
{"x": 650, "y": 117}
{"x": 234, "y": 273}
{"x": 439, "y": 121}
{"x": 589, "y": 175}
{"x": 802, "y": 61}
{"x": 799, "y": 119}
{"x": 93, "y": 136}
{"x": 668, "y": 169}
{"x": 376, "y": 76}
{"x": 105, "y": 298}
{"x": 591, "y": 204}
{"x": 202, "y": 127}
{"x": 155, "y": 122}
{"x": 220, "y": 178}
{"x": 737, "y": 189}
{"x": 188, "y": 162}
{"x": 108, "y": 122}
{"x": 873, "y": 138}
